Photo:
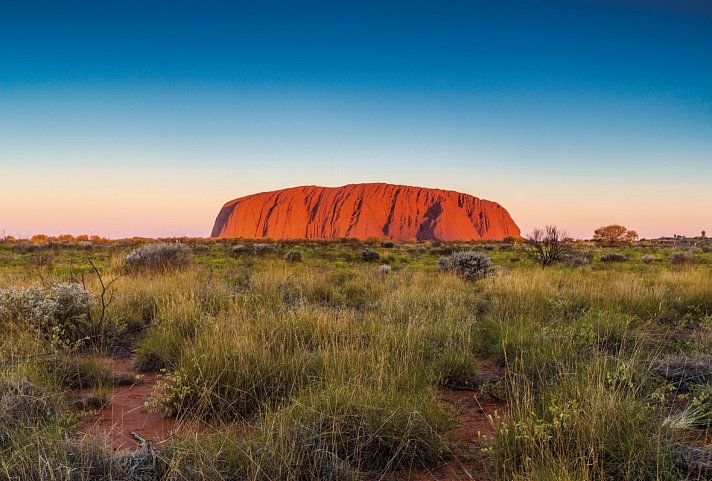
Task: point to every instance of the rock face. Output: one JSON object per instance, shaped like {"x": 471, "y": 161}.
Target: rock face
{"x": 364, "y": 210}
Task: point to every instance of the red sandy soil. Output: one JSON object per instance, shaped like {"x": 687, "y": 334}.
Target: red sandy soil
{"x": 474, "y": 422}
{"x": 127, "y": 412}
{"x": 364, "y": 210}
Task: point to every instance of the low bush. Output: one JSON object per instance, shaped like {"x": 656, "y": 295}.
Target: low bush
{"x": 60, "y": 314}
{"x": 647, "y": 259}
{"x": 293, "y": 256}
{"x": 682, "y": 258}
{"x": 575, "y": 260}
{"x": 471, "y": 266}
{"x": 264, "y": 249}
{"x": 240, "y": 250}
{"x": 614, "y": 257}
{"x": 158, "y": 257}
{"x": 383, "y": 270}
{"x": 370, "y": 255}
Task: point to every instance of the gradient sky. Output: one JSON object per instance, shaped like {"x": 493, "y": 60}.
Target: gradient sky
{"x": 143, "y": 117}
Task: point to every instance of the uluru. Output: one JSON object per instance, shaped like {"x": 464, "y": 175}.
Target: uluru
{"x": 361, "y": 211}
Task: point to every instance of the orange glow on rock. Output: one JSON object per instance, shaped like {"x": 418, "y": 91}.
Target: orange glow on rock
{"x": 364, "y": 210}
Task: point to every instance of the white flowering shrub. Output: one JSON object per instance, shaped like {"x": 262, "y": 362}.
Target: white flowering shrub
{"x": 470, "y": 266}
{"x": 60, "y": 313}
{"x": 158, "y": 257}
{"x": 384, "y": 269}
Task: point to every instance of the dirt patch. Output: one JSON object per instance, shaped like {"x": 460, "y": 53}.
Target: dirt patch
{"x": 127, "y": 411}
{"x": 475, "y": 414}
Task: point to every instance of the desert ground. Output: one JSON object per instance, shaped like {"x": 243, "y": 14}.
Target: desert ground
{"x": 228, "y": 359}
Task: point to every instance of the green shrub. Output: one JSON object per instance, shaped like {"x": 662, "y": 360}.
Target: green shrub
{"x": 370, "y": 255}
{"x": 158, "y": 257}
{"x": 293, "y": 256}
{"x": 613, "y": 257}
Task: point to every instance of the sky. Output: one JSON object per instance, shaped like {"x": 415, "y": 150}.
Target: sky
{"x": 142, "y": 118}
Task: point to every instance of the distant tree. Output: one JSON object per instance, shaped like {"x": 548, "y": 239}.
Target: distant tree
{"x": 547, "y": 245}
{"x": 615, "y": 234}
{"x": 38, "y": 238}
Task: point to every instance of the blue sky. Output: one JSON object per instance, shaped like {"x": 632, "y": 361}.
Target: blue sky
{"x": 143, "y": 118}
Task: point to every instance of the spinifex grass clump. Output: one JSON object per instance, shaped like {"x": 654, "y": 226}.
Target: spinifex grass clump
{"x": 158, "y": 257}
{"x": 23, "y": 405}
{"x": 471, "y": 266}
{"x": 592, "y": 421}
{"x": 235, "y": 379}
{"x": 342, "y": 430}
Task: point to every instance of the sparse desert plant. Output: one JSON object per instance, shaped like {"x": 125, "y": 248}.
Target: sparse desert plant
{"x": 158, "y": 257}
{"x": 293, "y": 256}
{"x": 613, "y": 257}
{"x": 647, "y": 258}
{"x": 85, "y": 244}
{"x": 23, "y": 405}
{"x": 471, "y": 266}
{"x": 547, "y": 245}
{"x": 387, "y": 244}
{"x": 370, "y": 255}
{"x": 574, "y": 259}
{"x": 264, "y": 249}
{"x": 383, "y": 270}
{"x": 240, "y": 250}
{"x": 682, "y": 258}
